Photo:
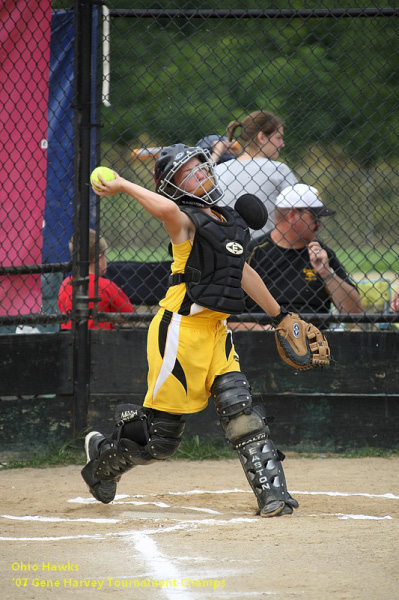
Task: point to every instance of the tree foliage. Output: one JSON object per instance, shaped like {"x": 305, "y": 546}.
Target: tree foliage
{"x": 332, "y": 80}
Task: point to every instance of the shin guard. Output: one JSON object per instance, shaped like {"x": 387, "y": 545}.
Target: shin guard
{"x": 264, "y": 471}
{"x": 245, "y": 426}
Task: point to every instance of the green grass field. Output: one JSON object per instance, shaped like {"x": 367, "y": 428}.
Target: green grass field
{"x": 370, "y": 259}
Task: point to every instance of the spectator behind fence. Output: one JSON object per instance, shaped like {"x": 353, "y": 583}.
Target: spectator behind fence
{"x": 257, "y": 169}
{"x": 112, "y": 298}
{"x": 302, "y": 273}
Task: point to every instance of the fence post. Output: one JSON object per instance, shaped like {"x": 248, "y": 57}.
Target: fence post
{"x": 81, "y": 259}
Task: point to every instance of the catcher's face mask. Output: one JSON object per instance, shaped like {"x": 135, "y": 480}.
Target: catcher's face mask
{"x": 191, "y": 179}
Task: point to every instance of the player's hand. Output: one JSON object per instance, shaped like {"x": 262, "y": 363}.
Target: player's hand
{"x": 109, "y": 188}
{"x": 319, "y": 259}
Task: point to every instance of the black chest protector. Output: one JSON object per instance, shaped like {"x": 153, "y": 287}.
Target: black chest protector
{"x": 214, "y": 268}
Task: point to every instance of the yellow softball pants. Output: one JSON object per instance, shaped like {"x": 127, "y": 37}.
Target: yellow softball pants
{"x": 185, "y": 354}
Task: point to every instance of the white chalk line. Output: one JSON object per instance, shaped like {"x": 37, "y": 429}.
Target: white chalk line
{"x": 345, "y": 516}
{"x": 96, "y": 536}
{"x": 123, "y": 498}
{"x": 361, "y": 517}
{"x": 186, "y": 524}
{"x": 58, "y": 519}
{"x": 195, "y": 492}
{"x": 119, "y": 499}
{"x": 142, "y": 503}
{"x": 161, "y": 567}
{"x": 388, "y": 495}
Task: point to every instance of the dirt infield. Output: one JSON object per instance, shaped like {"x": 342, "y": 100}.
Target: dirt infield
{"x": 187, "y": 530}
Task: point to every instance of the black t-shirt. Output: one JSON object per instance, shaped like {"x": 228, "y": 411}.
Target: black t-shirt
{"x": 290, "y": 277}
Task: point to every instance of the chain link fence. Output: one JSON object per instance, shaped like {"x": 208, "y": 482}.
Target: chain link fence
{"x": 162, "y": 76}
{"x": 37, "y": 156}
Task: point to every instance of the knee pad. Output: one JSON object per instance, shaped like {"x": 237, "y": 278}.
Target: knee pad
{"x": 165, "y": 431}
{"x": 157, "y": 433}
{"x": 241, "y": 421}
{"x": 232, "y": 394}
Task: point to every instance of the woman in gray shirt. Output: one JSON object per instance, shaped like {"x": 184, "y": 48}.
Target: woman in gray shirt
{"x": 257, "y": 169}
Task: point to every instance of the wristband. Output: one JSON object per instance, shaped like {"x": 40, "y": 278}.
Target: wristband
{"x": 278, "y": 318}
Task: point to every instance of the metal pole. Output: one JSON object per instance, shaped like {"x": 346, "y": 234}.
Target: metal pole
{"x": 96, "y": 139}
{"x": 83, "y": 75}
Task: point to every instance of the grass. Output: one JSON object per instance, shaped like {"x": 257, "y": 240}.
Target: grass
{"x": 69, "y": 453}
{"x": 191, "y": 448}
{"x": 370, "y": 453}
{"x": 350, "y": 453}
{"x": 196, "y": 448}
{"x": 369, "y": 259}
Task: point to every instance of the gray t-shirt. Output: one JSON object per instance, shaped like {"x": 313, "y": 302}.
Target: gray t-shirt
{"x": 260, "y": 176}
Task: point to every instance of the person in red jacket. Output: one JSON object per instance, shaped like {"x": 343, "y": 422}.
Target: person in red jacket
{"x": 112, "y": 298}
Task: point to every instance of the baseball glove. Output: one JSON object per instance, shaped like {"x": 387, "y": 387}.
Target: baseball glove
{"x": 300, "y": 344}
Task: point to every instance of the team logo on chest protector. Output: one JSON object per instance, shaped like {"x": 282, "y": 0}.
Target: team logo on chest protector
{"x": 234, "y": 248}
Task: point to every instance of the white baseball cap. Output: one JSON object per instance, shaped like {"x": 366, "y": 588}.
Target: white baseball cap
{"x": 301, "y": 195}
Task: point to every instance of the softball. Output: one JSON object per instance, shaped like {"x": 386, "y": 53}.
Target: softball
{"x": 104, "y": 172}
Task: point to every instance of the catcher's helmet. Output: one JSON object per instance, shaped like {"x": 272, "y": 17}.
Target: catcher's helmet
{"x": 209, "y": 141}
{"x": 169, "y": 161}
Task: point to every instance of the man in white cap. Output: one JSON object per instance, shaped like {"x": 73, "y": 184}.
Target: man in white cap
{"x": 303, "y": 274}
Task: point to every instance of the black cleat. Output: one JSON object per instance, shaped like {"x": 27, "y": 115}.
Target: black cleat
{"x": 287, "y": 510}
{"x": 291, "y": 501}
{"x": 103, "y": 490}
{"x": 92, "y": 443}
{"x": 278, "y": 508}
{"x": 273, "y": 509}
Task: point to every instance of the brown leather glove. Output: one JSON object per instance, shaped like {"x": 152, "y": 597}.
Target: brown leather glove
{"x": 300, "y": 344}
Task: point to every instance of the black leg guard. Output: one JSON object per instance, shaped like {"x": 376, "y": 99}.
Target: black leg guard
{"x": 246, "y": 429}
{"x": 264, "y": 471}
{"x": 141, "y": 437}
{"x": 156, "y": 434}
